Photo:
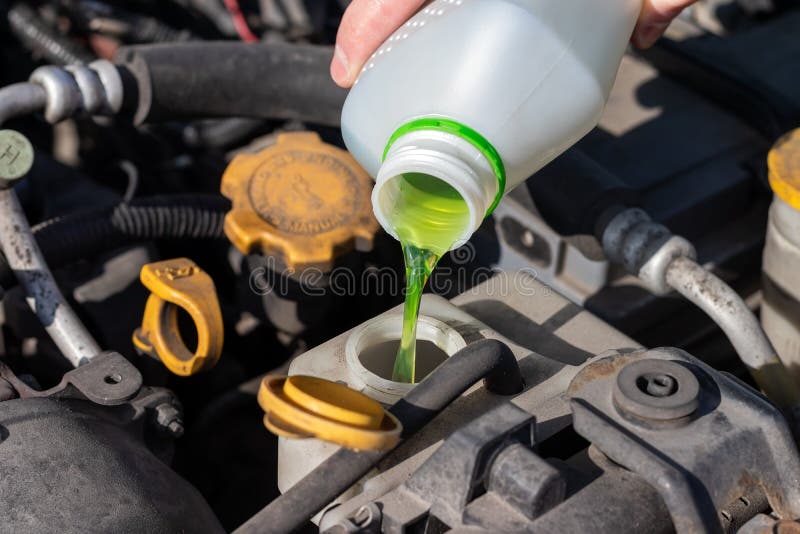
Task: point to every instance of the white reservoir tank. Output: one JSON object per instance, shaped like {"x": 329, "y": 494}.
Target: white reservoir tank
{"x": 780, "y": 310}
{"x": 351, "y": 360}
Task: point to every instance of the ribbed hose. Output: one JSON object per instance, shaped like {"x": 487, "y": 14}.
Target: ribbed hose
{"x": 489, "y": 359}
{"x": 64, "y": 240}
{"x": 37, "y": 36}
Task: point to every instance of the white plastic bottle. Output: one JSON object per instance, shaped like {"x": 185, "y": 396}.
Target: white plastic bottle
{"x": 481, "y": 94}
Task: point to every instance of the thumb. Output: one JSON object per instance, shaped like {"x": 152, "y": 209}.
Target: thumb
{"x": 365, "y": 26}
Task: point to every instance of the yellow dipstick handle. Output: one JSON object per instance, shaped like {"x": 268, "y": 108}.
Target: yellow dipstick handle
{"x": 180, "y": 283}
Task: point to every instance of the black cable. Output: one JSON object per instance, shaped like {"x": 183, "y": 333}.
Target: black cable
{"x": 64, "y": 240}
{"x": 488, "y": 359}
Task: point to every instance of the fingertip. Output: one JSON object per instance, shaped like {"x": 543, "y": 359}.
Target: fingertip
{"x": 365, "y": 25}
{"x": 648, "y": 35}
{"x": 340, "y": 68}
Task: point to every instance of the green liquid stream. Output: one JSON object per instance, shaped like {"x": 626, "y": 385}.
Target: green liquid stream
{"x": 429, "y": 217}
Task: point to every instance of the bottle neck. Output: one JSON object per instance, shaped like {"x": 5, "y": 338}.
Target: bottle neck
{"x": 441, "y": 156}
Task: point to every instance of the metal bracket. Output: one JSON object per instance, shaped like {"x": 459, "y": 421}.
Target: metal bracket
{"x": 701, "y": 438}
{"x": 469, "y": 469}
{"x": 109, "y": 380}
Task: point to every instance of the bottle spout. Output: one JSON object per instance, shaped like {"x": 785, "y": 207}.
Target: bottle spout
{"x": 434, "y": 189}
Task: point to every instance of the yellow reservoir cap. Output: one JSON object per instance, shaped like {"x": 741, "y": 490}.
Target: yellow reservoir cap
{"x": 308, "y": 407}
{"x": 784, "y": 168}
{"x": 301, "y": 201}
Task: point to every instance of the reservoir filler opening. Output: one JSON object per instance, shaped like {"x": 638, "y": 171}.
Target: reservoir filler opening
{"x": 438, "y": 181}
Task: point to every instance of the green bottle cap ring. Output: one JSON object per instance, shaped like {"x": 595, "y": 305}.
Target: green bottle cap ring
{"x": 466, "y": 133}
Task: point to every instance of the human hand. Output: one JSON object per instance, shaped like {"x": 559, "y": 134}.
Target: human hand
{"x": 368, "y": 23}
{"x": 656, "y": 16}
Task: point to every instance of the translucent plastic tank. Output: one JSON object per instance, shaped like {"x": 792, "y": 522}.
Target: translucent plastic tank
{"x": 780, "y": 310}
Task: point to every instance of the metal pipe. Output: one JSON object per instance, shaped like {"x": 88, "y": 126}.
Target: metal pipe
{"x": 21, "y": 99}
{"x": 43, "y": 295}
{"x": 23, "y": 254}
{"x": 663, "y": 262}
{"x": 739, "y": 324}
{"x": 489, "y": 359}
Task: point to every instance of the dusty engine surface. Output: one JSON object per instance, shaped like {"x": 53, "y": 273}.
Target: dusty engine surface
{"x": 191, "y": 268}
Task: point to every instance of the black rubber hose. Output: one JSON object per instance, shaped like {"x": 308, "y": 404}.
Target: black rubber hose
{"x": 574, "y": 190}
{"x": 64, "y": 240}
{"x": 198, "y": 80}
{"x": 221, "y": 133}
{"x": 37, "y": 36}
{"x": 489, "y": 359}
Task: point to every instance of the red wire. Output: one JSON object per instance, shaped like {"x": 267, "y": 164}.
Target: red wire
{"x": 239, "y": 22}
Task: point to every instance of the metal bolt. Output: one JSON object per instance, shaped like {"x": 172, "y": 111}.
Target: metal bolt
{"x": 528, "y": 239}
{"x": 176, "y": 428}
{"x": 363, "y": 516}
{"x": 658, "y": 385}
{"x": 16, "y": 156}
{"x": 170, "y": 418}
{"x": 368, "y": 518}
{"x": 656, "y": 389}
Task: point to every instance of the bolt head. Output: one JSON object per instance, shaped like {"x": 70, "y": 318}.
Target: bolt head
{"x": 176, "y": 429}
{"x": 169, "y": 417}
{"x": 658, "y": 385}
{"x": 660, "y": 390}
{"x": 16, "y": 156}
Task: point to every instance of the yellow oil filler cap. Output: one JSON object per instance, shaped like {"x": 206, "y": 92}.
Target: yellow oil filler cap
{"x": 308, "y": 407}
{"x": 784, "y": 168}
{"x": 301, "y": 201}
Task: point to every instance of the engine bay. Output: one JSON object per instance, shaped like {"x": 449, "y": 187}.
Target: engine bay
{"x": 200, "y": 311}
